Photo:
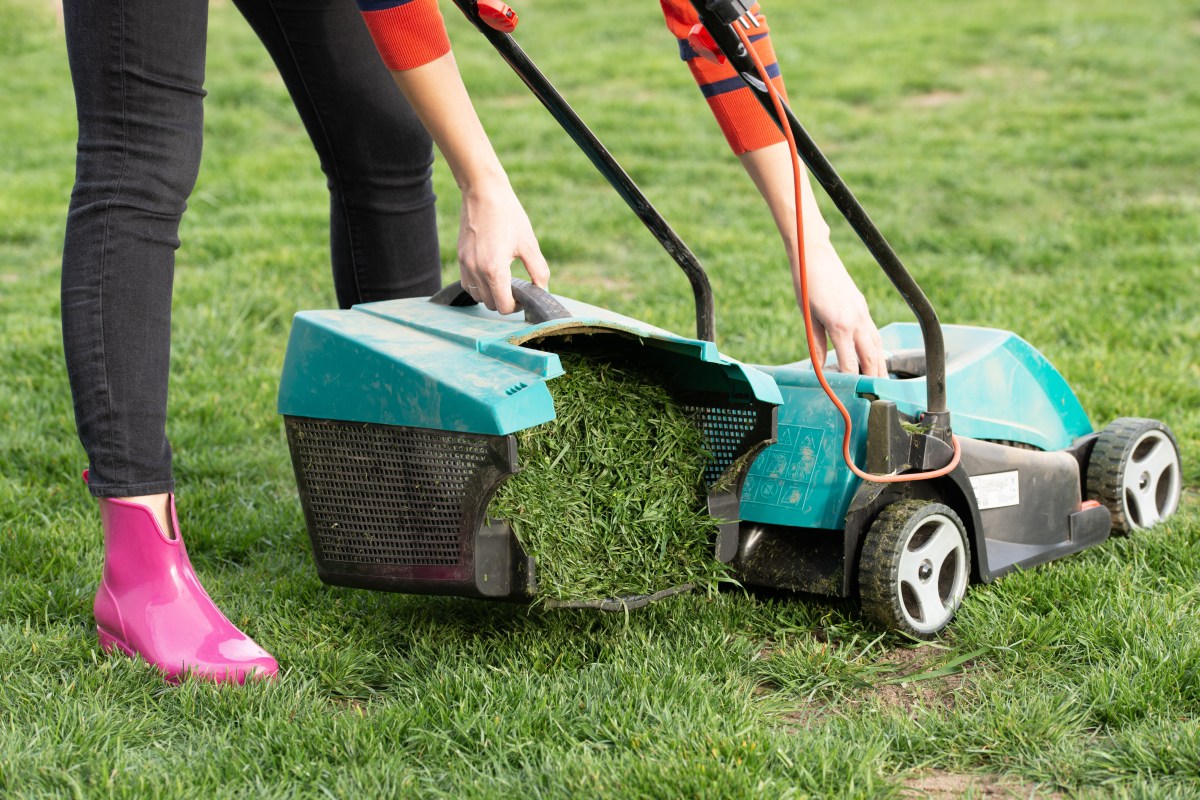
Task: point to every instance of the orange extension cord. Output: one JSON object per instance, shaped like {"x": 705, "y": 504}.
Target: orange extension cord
{"x": 808, "y": 325}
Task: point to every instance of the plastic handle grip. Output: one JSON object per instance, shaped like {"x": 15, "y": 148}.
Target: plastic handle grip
{"x": 539, "y": 305}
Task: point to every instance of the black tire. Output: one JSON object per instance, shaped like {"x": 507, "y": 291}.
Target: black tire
{"x": 1135, "y": 471}
{"x": 914, "y": 595}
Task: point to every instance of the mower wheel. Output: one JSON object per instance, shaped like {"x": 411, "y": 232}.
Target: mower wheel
{"x": 1134, "y": 470}
{"x": 915, "y": 567}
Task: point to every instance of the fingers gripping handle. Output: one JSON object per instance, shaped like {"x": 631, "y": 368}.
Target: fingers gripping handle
{"x": 539, "y": 305}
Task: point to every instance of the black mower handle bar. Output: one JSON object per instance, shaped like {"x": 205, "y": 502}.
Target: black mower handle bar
{"x": 543, "y": 90}
{"x": 539, "y": 305}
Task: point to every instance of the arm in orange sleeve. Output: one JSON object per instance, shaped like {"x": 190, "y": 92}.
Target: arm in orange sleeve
{"x": 743, "y": 121}
{"x": 408, "y": 33}
{"x": 840, "y": 311}
{"x": 493, "y": 227}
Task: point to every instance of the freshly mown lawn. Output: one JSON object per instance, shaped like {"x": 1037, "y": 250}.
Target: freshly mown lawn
{"x": 1035, "y": 164}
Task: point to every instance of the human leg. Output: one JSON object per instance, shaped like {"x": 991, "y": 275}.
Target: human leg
{"x": 138, "y": 69}
{"x": 374, "y": 152}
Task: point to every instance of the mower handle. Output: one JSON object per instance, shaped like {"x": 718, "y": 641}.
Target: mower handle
{"x": 539, "y": 305}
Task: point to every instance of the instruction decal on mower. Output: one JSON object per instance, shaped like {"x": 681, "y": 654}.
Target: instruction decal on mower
{"x": 784, "y": 473}
{"x": 997, "y": 490}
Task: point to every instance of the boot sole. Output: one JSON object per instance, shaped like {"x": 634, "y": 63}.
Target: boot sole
{"x": 110, "y": 642}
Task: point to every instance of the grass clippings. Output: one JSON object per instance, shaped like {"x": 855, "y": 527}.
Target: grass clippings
{"x": 610, "y": 501}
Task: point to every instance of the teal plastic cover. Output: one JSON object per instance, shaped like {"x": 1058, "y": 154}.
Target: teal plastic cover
{"x": 414, "y": 363}
{"x": 998, "y": 388}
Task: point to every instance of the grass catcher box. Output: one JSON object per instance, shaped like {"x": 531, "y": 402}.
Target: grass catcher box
{"x": 401, "y": 416}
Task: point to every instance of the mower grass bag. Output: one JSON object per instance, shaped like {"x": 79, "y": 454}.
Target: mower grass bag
{"x": 402, "y": 417}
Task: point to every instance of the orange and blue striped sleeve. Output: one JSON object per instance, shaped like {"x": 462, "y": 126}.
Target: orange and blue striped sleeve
{"x": 408, "y": 33}
{"x": 743, "y": 121}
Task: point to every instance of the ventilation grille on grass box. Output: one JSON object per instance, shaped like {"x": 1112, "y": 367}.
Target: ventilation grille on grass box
{"x": 378, "y": 494}
{"x": 725, "y": 433}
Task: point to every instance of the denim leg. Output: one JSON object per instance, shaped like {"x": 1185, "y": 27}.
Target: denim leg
{"x": 138, "y": 70}
{"x": 375, "y": 154}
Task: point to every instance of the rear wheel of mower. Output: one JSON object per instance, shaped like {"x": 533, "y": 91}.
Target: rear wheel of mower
{"x": 915, "y": 567}
{"x": 1134, "y": 470}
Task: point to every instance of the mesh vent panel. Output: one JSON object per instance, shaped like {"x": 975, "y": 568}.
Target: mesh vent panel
{"x": 725, "y": 431}
{"x": 377, "y": 494}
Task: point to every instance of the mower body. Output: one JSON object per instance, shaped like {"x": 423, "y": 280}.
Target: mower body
{"x": 1019, "y": 488}
{"x": 400, "y": 418}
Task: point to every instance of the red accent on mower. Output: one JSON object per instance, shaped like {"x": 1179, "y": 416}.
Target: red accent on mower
{"x": 498, "y": 15}
{"x": 700, "y": 40}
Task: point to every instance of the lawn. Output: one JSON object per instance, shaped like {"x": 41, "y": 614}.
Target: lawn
{"x": 1036, "y": 166}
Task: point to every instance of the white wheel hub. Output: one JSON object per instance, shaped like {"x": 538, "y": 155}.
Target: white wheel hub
{"x": 932, "y": 574}
{"x": 1150, "y": 485}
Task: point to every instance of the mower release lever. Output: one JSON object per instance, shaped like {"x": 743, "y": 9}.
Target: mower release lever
{"x": 700, "y": 40}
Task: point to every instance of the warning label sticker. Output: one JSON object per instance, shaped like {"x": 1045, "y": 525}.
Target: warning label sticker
{"x": 997, "y": 490}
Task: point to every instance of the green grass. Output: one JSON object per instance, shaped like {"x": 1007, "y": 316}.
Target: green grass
{"x": 1035, "y": 165}
{"x": 610, "y": 500}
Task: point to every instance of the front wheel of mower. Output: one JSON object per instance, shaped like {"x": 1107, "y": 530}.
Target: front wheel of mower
{"x": 1134, "y": 470}
{"x": 915, "y": 567}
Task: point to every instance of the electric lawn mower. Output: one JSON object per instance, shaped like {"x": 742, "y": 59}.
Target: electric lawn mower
{"x": 400, "y": 418}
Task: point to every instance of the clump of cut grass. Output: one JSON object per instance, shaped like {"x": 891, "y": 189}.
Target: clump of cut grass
{"x": 611, "y": 500}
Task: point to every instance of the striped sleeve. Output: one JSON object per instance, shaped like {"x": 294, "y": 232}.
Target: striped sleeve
{"x": 743, "y": 121}
{"x": 408, "y": 33}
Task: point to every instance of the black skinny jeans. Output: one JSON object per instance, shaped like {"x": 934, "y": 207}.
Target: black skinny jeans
{"x": 138, "y": 72}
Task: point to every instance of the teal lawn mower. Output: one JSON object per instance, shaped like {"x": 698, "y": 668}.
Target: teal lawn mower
{"x": 401, "y": 417}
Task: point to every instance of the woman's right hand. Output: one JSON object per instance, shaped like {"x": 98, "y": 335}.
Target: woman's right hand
{"x": 494, "y": 231}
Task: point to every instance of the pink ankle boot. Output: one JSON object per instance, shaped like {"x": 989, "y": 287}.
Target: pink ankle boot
{"x": 151, "y": 604}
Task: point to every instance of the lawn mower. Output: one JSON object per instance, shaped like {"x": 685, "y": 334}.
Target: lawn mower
{"x": 400, "y": 418}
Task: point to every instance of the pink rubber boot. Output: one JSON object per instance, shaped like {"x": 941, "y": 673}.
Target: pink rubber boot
{"x": 151, "y": 604}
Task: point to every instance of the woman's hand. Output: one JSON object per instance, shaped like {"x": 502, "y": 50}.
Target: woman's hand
{"x": 840, "y": 312}
{"x": 493, "y": 231}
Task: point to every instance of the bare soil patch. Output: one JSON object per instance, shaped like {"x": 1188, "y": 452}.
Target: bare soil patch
{"x": 934, "y": 99}
{"x": 911, "y": 695}
{"x": 941, "y": 785}
{"x": 907, "y": 679}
